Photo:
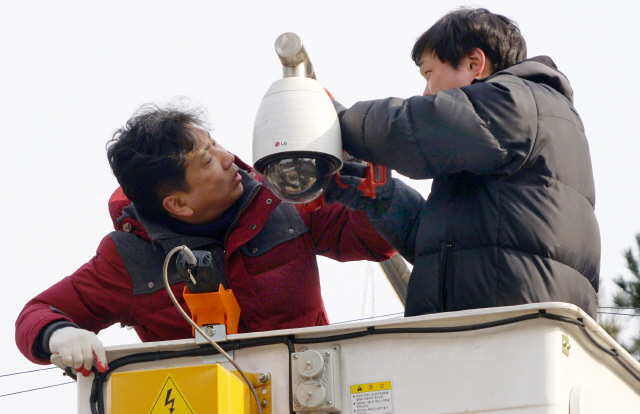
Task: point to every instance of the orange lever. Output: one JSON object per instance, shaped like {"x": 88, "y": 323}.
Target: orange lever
{"x": 214, "y": 308}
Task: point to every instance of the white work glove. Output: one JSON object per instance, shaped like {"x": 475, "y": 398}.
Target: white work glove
{"x": 77, "y": 348}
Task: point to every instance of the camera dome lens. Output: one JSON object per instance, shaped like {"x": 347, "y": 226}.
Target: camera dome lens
{"x": 298, "y": 180}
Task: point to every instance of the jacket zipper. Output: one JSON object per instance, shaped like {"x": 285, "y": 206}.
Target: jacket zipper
{"x": 444, "y": 291}
{"x": 235, "y": 221}
{"x": 226, "y": 239}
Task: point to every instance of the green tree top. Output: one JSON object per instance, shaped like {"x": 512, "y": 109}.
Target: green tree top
{"x": 629, "y": 294}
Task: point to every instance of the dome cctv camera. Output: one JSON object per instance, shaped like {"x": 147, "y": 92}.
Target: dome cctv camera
{"x": 297, "y": 145}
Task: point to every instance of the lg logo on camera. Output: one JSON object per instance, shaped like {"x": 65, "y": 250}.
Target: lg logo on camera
{"x": 281, "y": 143}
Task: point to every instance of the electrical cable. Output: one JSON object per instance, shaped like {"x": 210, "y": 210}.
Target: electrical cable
{"x": 292, "y": 350}
{"x": 443, "y": 329}
{"x": 618, "y": 314}
{"x": 165, "y": 275}
{"x": 26, "y": 372}
{"x": 395, "y": 316}
{"x": 611, "y": 352}
{"x": 36, "y": 389}
{"x": 618, "y": 310}
{"x": 33, "y": 389}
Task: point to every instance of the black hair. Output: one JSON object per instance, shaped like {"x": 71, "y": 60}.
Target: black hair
{"x": 149, "y": 154}
{"x": 459, "y": 31}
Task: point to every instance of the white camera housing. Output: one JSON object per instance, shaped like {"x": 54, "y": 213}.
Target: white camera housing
{"x": 297, "y": 144}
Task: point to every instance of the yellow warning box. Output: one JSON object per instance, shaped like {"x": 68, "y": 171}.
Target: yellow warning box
{"x": 370, "y": 387}
{"x": 372, "y": 397}
{"x": 185, "y": 390}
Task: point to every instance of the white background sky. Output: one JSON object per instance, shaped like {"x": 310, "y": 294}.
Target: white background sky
{"x": 71, "y": 72}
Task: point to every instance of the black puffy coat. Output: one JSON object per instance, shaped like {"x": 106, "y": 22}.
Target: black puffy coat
{"x": 510, "y": 218}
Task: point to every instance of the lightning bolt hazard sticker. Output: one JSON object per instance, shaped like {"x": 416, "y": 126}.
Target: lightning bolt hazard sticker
{"x": 171, "y": 400}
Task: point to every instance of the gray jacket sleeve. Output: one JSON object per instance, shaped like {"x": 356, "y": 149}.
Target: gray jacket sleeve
{"x": 487, "y": 128}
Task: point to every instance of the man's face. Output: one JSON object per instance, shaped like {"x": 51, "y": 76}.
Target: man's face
{"x": 441, "y": 76}
{"x": 213, "y": 179}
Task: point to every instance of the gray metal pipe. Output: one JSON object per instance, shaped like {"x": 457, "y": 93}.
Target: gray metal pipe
{"x": 398, "y": 274}
{"x": 294, "y": 58}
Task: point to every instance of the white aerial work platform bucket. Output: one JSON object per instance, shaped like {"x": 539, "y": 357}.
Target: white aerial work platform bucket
{"x": 533, "y": 359}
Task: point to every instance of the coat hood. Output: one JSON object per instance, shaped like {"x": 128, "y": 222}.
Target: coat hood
{"x": 540, "y": 69}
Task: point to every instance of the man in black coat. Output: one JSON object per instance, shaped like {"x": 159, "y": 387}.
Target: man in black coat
{"x": 510, "y": 218}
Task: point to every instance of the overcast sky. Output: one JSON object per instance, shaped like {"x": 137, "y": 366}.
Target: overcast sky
{"x": 71, "y": 72}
